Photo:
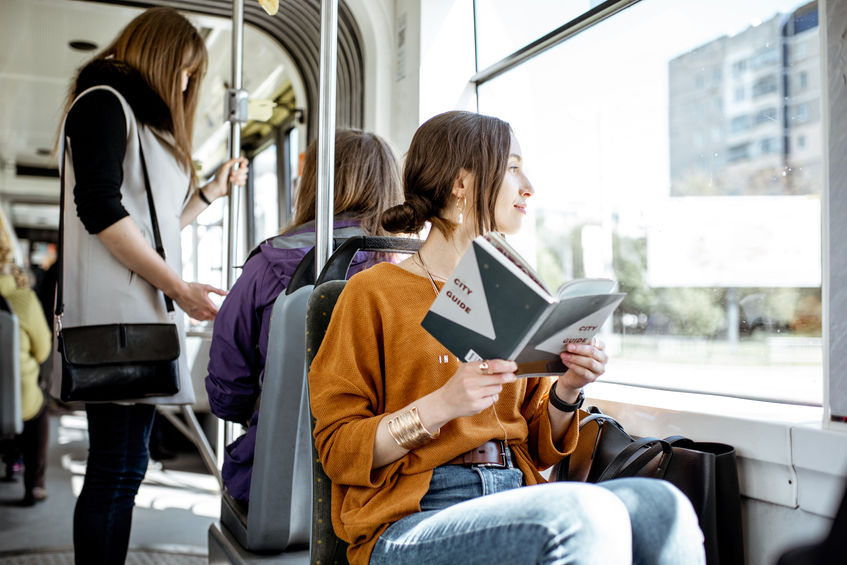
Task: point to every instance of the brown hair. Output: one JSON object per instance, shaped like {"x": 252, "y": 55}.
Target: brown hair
{"x": 367, "y": 181}
{"x": 159, "y": 44}
{"x": 440, "y": 148}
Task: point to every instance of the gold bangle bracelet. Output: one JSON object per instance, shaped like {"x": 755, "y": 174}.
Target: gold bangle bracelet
{"x": 408, "y": 431}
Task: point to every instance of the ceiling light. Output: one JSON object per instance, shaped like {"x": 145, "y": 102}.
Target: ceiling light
{"x": 82, "y": 45}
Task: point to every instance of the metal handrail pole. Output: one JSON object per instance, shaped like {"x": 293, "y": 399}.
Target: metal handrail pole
{"x": 193, "y": 431}
{"x": 564, "y": 32}
{"x": 236, "y": 113}
{"x": 324, "y": 203}
{"x": 235, "y": 119}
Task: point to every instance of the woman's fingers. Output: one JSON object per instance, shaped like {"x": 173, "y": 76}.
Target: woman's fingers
{"x": 590, "y": 350}
{"x": 218, "y": 291}
{"x": 237, "y": 175}
{"x": 585, "y": 362}
{"x": 196, "y": 302}
{"x": 581, "y": 361}
{"x": 476, "y": 385}
{"x": 493, "y": 367}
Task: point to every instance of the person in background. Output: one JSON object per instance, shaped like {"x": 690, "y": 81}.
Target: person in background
{"x": 366, "y": 184}
{"x": 35, "y": 343}
{"x": 139, "y": 93}
{"x": 438, "y": 461}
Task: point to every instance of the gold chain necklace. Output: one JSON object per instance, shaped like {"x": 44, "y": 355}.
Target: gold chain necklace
{"x": 432, "y": 280}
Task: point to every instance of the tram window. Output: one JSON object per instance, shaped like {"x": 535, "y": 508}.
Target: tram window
{"x": 295, "y": 168}
{"x": 503, "y": 27}
{"x": 266, "y": 196}
{"x": 718, "y": 245}
{"x": 203, "y": 248}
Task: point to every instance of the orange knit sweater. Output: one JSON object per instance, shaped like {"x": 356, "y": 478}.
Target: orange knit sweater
{"x": 375, "y": 359}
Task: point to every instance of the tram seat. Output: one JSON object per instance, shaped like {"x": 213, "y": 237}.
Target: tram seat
{"x": 11, "y": 421}
{"x": 278, "y": 517}
{"x": 326, "y": 546}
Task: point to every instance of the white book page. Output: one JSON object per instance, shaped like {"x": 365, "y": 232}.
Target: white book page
{"x": 585, "y": 287}
{"x": 579, "y": 332}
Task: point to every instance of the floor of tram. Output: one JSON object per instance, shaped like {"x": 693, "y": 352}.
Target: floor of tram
{"x": 175, "y": 505}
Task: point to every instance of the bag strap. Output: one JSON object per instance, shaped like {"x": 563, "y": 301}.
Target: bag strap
{"x": 679, "y": 441}
{"x": 562, "y": 468}
{"x": 601, "y": 418}
{"x": 651, "y": 447}
{"x": 157, "y": 237}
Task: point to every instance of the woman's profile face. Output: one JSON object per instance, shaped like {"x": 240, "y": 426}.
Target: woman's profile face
{"x": 510, "y": 208}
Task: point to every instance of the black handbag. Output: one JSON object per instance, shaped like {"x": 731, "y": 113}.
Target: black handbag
{"x": 606, "y": 451}
{"x": 113, "y": 362}
{"x": 705, "y": 472}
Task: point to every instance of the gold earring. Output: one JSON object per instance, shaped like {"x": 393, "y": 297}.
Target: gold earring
{"x": 461, "y": 208}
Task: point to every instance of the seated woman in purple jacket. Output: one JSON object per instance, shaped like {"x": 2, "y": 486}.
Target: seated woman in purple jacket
{"x": 366, "y": 184}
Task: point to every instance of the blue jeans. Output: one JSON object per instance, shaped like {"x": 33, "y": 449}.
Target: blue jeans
{"x": 483, "y": 515}
{"x": 117, "y": 461}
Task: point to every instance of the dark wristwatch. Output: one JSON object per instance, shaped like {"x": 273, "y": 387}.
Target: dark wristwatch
{"x": 563, "y": 406}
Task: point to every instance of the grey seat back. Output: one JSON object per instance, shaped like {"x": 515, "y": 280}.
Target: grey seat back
{"x": 279, "y": 515}
{"x": 11, "y": 422}
{"x": 326, "y": 546}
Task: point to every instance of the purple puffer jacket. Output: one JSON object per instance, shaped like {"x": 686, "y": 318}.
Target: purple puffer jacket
{"x": 240, "y": 340}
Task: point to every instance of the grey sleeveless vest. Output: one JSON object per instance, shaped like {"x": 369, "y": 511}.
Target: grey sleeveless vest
{"x": 98, "y": 289}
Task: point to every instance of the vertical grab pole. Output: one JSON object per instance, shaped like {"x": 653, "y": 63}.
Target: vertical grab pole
{"x": 235, "y": 97}
{"x": 324, "y": 203}
{"x": 236, "y": 114}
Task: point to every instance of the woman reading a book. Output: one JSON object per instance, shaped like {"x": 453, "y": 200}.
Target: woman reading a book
{"x": 426, "y": 453}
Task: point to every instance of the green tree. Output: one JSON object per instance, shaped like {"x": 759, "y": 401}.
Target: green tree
{"x": 629, "y": 259}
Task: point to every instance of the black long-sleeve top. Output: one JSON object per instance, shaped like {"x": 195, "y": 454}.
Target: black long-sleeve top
{"x": 96, "y": 127}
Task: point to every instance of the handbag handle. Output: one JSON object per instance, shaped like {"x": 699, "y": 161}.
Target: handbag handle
{"x": 157, "y": 237}
{"x": 601, "y": 418}
{"x": 593, "y": 414}
{"x": 651, "y": 447}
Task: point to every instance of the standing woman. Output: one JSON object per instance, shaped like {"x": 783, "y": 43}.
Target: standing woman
{"x": 139, "y": 93}
{"x": 428, "y": 456}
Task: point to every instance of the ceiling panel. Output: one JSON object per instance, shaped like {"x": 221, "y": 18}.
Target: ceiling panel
{"x": 36, "y": 64}
{"x": 36, "y": 67}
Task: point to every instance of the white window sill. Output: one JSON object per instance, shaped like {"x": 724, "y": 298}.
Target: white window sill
{"x": 785, "y": 455}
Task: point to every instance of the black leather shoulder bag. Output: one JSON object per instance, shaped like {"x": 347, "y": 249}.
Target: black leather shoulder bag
{"x": 113, "y": 362}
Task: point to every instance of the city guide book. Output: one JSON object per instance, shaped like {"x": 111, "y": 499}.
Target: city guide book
{"x": 494, "y": 306}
